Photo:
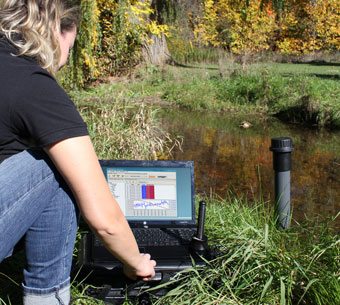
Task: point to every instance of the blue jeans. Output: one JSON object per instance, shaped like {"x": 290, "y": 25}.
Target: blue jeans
{"x": 35, "y": 202}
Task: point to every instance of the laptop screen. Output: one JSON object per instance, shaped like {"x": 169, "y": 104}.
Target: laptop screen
{"x": 152, "y": 190}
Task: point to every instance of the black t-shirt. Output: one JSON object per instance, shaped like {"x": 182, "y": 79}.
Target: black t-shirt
{"x": 34, "y": 110}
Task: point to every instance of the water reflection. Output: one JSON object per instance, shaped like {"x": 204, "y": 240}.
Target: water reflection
{"x": 228, "y": 157}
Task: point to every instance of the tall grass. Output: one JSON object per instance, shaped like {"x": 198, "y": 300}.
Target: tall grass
{"x": 256, "y": 262}
{"x": 121, "y": 130}
{"x": 259, "y": 264}
{"x": 184, "y": 51}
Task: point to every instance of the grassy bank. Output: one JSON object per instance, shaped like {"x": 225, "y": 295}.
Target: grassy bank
{"x": 257, "y": 263}
{"x": 307, "y": 93}
{"x": 303, "y": 93}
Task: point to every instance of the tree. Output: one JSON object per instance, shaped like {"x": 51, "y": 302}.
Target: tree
{"x": 110, "y": 40}
{"x": 84, "y": 60}
{"x": 309, "y": 25}
{"x": 290, "y": 26}
{"x": 324, "y": 16}
{"x": 243, "y": 26}
{"x": 127, "y": 29}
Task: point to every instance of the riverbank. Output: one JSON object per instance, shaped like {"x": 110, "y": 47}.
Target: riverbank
{"x": 256, "y": 263}
{"x": 299, "y": 93}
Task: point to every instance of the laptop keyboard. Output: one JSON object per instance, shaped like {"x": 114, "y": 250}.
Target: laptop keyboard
{"x": 159, "y": 237}
{"x": 163, "y": 237}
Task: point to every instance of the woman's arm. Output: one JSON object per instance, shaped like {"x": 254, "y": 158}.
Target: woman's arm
{"x": 76, "y": 160}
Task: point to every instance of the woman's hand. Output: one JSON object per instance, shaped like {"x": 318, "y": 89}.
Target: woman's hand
{"x": 145, "y": 269}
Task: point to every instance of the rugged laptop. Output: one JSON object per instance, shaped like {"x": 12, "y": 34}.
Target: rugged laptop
{"x": 158, "y": 200}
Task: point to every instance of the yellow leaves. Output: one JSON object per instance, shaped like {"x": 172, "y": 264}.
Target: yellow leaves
{"x": 141, "y": 8}
{"x": 142, "y": 11}
{"x": 209, "y": 4}
{"x": 310, "y": 27}
{"x": 249, "y": 25}
{"x": 288, "y": 46}
{"x": 156, "y": 29}
{"x": 86, "y": 58}
{"x": 136, "y": 16}
{"x": 246, "y": 24}
{"x": 325, "y": 16}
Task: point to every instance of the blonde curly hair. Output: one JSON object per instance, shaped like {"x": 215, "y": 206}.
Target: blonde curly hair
{"x": 33, "y": 26}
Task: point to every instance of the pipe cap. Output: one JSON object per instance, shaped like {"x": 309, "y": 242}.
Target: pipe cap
{"x": 282, "y": 145}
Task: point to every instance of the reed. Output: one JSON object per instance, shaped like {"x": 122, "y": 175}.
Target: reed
{"x": 121, "y": 130}
{"x": 256, "y": 262}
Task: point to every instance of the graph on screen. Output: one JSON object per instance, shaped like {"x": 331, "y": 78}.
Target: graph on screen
{"x": 144, "y": 193}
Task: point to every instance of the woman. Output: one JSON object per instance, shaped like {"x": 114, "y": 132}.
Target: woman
{"x": 47, "y": 158}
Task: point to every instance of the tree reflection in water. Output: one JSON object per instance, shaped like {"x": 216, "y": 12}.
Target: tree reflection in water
{"x": 230, "y": 158}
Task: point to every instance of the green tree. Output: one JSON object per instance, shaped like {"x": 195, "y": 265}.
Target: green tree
{"x": 83, "y": 63}
{"x": 110, "y": 39}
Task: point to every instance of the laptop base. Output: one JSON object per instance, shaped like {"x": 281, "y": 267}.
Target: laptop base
{"x": 105, "y": 280}
{"x": 113, "y": 287}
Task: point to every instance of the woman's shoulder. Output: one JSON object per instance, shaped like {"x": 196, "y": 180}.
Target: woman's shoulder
{"x": 6, "y": 45}
{"x": 10, "y": 60}
{"x": 19, "y": 68}
{"x": 23, "y": 82}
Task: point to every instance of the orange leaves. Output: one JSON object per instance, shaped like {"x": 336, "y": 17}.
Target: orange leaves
{"x": 269, "y": 9}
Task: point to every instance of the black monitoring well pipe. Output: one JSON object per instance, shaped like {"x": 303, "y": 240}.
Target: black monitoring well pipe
{"x": 282, "y": 148}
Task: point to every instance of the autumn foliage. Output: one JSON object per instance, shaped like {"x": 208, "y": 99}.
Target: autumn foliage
{"x": 110, "y": 39}
{"x": 113, "y": 33}
{"x": 291, "y": 27}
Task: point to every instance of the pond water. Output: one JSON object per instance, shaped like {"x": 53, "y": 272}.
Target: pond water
{"x": 231, "y": 158}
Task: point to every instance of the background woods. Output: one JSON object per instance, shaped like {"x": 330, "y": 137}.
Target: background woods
{"x": 291, "y": 26}
{"x": 115, "y": 35}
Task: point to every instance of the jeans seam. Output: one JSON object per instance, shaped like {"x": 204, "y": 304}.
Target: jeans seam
{"x": 67, "y": 241}
{"x": 58, "y": 298}
{"x": 65, "y": 247}
{"x": 39, "y": 291}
